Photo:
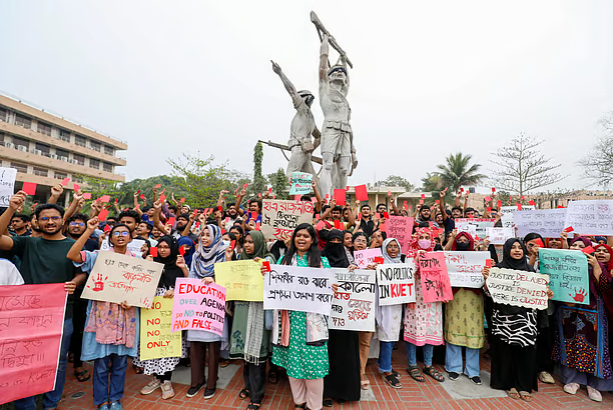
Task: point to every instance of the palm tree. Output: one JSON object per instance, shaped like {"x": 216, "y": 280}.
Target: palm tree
{"x": 457, "y": 172}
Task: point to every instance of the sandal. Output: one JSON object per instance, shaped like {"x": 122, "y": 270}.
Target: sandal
{"x": 224, "y": 363}
{"x": 435, "y": 374}
{"x": 273, "y": 377}
{"x": 137, "y": 370}
{"x": 82, "y": 376}
{"x": 415, "y": 374}
{"x": 525, "y": 396}
{"x": 253, "y": 406}
{"x": 300, "y": 406}
{"x": 513, "y": 393}
{"x": 365, "y": 384}
{"x": 328, "y": 403}
{"x": 243, "y": 394}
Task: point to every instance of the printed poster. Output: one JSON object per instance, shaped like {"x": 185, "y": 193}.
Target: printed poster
{"x": 302, "y": 289}
{"x": 198, "y": 306}
{"x": 353, "y": 307}
{"x": 156, "y": 338}
{"x": 243, "y": 280}
{"x": 568, "y": 274}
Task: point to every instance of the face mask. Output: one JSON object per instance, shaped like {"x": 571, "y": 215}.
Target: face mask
{"x": 227, "y": 243}
{"x": 462, "y": 246}
{"x": 424, "y": 243}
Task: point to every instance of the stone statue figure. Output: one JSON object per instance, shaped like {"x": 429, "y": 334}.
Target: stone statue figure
{"x": 303, "y": 127}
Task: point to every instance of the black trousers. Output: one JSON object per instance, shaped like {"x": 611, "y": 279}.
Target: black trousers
{"x": 255, "y": 380}
{"x": 79, "y": 316}
{"x": 544, "y": 348}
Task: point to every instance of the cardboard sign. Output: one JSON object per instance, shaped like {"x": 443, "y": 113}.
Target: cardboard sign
{"x": 7, "y": 185}
{"x": 548, "y": 223}
{"x": 31, "y": 325}
{"x": 117, "y": 278}
{"x": 282, "y": 217}
{"x": 396, "y": 283}
{"x": 301, "y": 289}
{"x": 590, "y": 217}
{"x": 366, "y": 257}
{"x": 518, "y": 288}
{"x": 302, "y": 183}
{"x": 465, "y": 269}
{"x": 568, "y": 274}
{"x": 354, "y": 303}
{"x": 198, "y": 306}
{"x": 243, "y": 280}
{"x": 400, "y": 228}
{"x": 474, "y": 226}
{"x": 434, "y": 278}
{"x": 498, "y": 236}
{"x": 156, "y": 338}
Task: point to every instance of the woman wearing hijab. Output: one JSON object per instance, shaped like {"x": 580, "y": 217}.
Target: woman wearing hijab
{"x": 343, "y": 381}
{"x": 464, "y": 321}
{"x": 423, "y": 322}
{"x": 604, "y": 254}
{"x": 174, "y": 267}
{"x": 514, "y": 332}
{"x": 189, "y": 247}
{"x": 581, "y": 335}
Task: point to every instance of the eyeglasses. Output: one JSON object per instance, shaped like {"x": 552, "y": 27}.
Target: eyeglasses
{"x": 77, "y": 224}
{"x": 122, "y": 233}
{"x": 53, "y": 218}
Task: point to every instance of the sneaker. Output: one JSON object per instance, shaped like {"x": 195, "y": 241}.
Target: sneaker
{"x": 594, "y": 394}
{"x": 167, "y": 391}
{"x": 103, "y": 407}
{"x": 209, "y": 393}
{"x": 476, "y": 380}
{"x": 571, "y": 388}
{"x": 453, "y": 376}
{"x": 116, "y": 405}
{"x": 151, "y": 387}
{"x": 392, "y": 381}
{"x": 192, "y": 391}
{"x": 546, "y": 377}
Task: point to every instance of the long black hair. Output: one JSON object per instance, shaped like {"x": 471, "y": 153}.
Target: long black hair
{"x": 314, "y": 252}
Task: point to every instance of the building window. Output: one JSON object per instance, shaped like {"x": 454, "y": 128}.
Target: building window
{"x": 65, "y": 135}
{"x": 4, "y": 114}
{"x": 79, "y": 140}
{"x": 61, "y": 153}
{"x": 79, "y": 158}
{"x": 107, "y": 167}
{"x": 76, "y": 178}
{"x": 43, "y": 128}
{"x": 46, "y": 149}
{"x": 41, "y": 172}
{"x": 20, "y": 167}
{"x": 23, "y": 121}
{"x": 21, "y": 142}
{"x": 95, "y": 146}
{"x": 94, "y": 163}
{"x": 2, "y": 136}
{"x": 109, "y": 150}
{"x": 60, "y": 175}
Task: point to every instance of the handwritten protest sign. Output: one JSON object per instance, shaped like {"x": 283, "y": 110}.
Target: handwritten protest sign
{"x": 121, "y": 278}
{"x": 135, "y": 245}
{"x": 301, "y": 289}
{"x": 400, "y": 228}
{"x": 546, "y": 222}
{"x": 302, "y": 183}
{"x": 518, "y": 288}
{"x": 366, "y": 257}
{"x": 354, "y": 303}
{"x": 434, "y": 278}
{"x": 590, "y": 217}
{"x": 243, "y": 280}
{"x": 507, "y": 213}
{"x": 568, "y": 274}
{"x": 7, "y": 185}
{"x": 198, "y": 306}
{"x": 474, "y": 226}
{"x": 31, "y": 324}
{"x": 282, "y": 217}
{"x": 498, "y": 236}
{"x": 465, "y": 269}
{"x": 156, "y": 338}
{"x": 396, "y": 283}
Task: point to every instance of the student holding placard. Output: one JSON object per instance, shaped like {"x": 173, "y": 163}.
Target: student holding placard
{"x": 580, "y": 331}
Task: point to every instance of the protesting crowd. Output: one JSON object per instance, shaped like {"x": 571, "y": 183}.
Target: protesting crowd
{"x": 379, "y": 292}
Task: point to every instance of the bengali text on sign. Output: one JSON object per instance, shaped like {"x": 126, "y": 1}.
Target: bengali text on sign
{"x": 302, "y": 289}
{"x": 156, "y": 338}
{"x": 568, "y": 274}
{"x": 243, "y": 280}
{"x": 282, "y": 217}
{"x": 354, "y": 303}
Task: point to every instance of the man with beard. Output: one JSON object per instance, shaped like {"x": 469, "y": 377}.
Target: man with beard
{"x": 131, "y": 219}
{"x": 20, "y": 225}
{"x": 424, "y": 215}
{"x": 44, "y": 261}
{"x": 182, "y": 222}
{"x": 76, "y": 226}
{"x": 367, "y": 225}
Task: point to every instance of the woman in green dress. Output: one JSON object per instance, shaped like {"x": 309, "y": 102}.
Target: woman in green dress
{"x": 249, "y": 339}
{"x": 303, "y": 354}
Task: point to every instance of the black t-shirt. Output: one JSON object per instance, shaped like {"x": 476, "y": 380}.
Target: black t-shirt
{"x": 368, "y": 227}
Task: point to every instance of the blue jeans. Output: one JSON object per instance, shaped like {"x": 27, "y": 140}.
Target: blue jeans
{"x": 385, "y": 356}
{"x": 412, "y": 354}
{"x": 453, "y": 360}
{"x": 52, "y": 398}
{"x": 103, "y": 390}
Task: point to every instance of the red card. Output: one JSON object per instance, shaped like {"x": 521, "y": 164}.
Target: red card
{"x": 266, "y": 265}
{"x": 421, "y": 202}
{"x": 317, "y": 216}
{"x": 360, "y": 193}
{"x": 182, "y": 250}
{"x": 488, "y": 209}
{"x": 65, "y": 181}
{"x": 405, "y": 206}
{"x": 162, "y": 198}
{"x": 153, "y": 251}
{"x": 569, "y": 229}
{"x": 138, "y": 192}
{"x": 297, "y": 198}
{"x": 259, "y": 195}
{"x": 360, "y": 215}
{"x": 461, "y": 189}
{"x": 103, "y": 214}
{"x": 274, "y": 196}
{"x": 269, "y": 190}
{"x": 430, "y": 224}
{"x": 487, "y": 198}
{"x": 313, "y": 199}
{"x": 518, "y": 206}
{"x": 233, "y": 244}
{"x": 379, "y": 259}
{"x": 423, "y": 196}
{"x": 488, "y": 262}
{"x": 341, "y": 197}
{"x": 532, "y": 202}
{"x": 493, "y": 189}
{"x": 523, "y": 197}
{"x": 158, "y": 186}
{"x": 389, "y": 193}
{"x": 436, "y": 202}
{"x": 245, "y": 186}
{"x": 499, "y": 205}
{"x": 587, "y": 250}
{"x": 105, "y": 198}
{"x": 75, "y": 186}
{"x": 539, "y": 242}
{"x": 87, "y": 195}
{"x": 386, "y": 215}
{"x": 107, "y": 228}
{"x": 257, "y": 226}
{"x": 29, "y": 188}
{"x": 338, "y": 225}
{"x": 171, "y": 221}
{"x": 182, "y": 200}
{"x": 117, "y": 201}
{"x": 220, "y": 208}
{"x": 142, "y": 196}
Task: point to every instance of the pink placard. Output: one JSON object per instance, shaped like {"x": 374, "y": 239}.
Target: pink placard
{"x": 31, "y": 324}
{"x": 366, "y": 257}
{"x": 435, "y": 284}
{"x": 198, "y": 306}
{"x": 400, "y": 228}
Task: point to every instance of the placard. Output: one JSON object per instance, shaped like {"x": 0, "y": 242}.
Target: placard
{"x": 243, "y": 280}
{"x": 302, "y": 289}
{"x": 498, "y": 236}
{"x": 7, "y": 185}
{"x": 434, "y": 278}
{"x": 396, "y": 283}
{"x": 548, "y": 223}
{"x": 302, "y": 183}
{"x": 366, "y": 257}
{"x": 282, "y": 217}
{"x": 518, "y": 288}
{"x": 568, "y": 272}
{"x": 156, "y": 338}
{"x": 353, "y": 307}
{"x": 121, "y": 278}
{"x": 590, "y": 217}
{"x": 400, "y": 228}
{"x": 31, "y": 325}
{"x": 198, "y": 306}
{"x": 465, "y": 269}
{"x": 474, "y": 226}
{"x": 508, "y": 212}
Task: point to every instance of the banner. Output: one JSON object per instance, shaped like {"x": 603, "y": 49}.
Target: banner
{"x": 366, "y": 257}
{"x": 243, "y": 280}
{"x": 282, "y": 217}
{"x": 435, "y": 284}
{"x": 156, "y": 338}
{"x": 302, "y": 289}
{"x": 474, "y": 226}
{"x": 198, "y": 306}
{"x": 465, "y": 269}
{"x": 396, "y": 283}
{"x": 353, "y": 307}
{"x": 548, "y": 223}
{"x": 568, "y": 272}
{"x": 400, "y": 228}
{"x": 590, "y": 217}
{"x": 31, "y": 325}
{"x": 121, "y": 278}
{"x": 302, "y": 183}
{"x": 7, "y": 185}
{"x": 498, "y": 236}
{"x": 518, "y": 288}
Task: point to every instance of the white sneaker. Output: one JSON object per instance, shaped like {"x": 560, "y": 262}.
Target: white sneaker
{"x": 571, "y": 388}
{"x": 594, "y": 394}
{"x": 167, "y": 391}
{"x": 151, "y": 387}
{"x": 546, "y": 377}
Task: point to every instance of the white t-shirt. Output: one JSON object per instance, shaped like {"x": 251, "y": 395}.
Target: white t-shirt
{"x": 9, "y": 275}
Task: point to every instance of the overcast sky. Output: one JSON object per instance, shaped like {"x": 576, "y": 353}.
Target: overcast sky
{"x": 430, "y": 78}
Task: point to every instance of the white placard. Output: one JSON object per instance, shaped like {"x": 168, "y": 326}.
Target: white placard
{"x": 466, "y": 268}
{"x": 135, "y": 245}
{"x": 546, "y": 222}
{"x": 590, "y": 217}
{"x": 396, "y": 283}
{"x": 7, "y": 185}
{"x": 498, "y": 236}
{"x": 354, "y": 302}
{"x": 508, "y": 212}
{"x": 474, "y": 226}
{"x": 518, "y": 288}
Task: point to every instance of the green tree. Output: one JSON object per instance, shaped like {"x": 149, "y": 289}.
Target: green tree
{"x": 457, "y": 172}
{"x": 395, "y": 180}
{"x": 432, "y": 182}
{"x": 279, "y": 184}
{"x": 259, "y": 182}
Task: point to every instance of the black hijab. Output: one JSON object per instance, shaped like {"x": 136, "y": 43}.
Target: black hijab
{"x": 335, "y": 252}
{"x": 171, "y": 271}
{"x": 516, "y": 264}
